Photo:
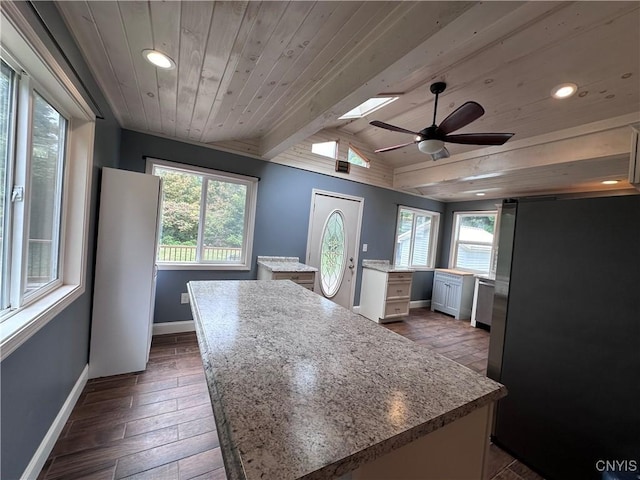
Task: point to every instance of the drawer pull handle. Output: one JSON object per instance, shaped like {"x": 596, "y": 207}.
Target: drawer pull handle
{"x": 399, "y": 290}
{"x": 294, "y": 277}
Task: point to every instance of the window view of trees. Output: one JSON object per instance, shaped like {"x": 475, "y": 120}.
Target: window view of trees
{"x": 223, "y": 216}
{"x": 48, "y": 134}
{"x": 43, "y": 188}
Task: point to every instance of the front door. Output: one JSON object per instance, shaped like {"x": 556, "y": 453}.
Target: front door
{"x": 332, "y": 245}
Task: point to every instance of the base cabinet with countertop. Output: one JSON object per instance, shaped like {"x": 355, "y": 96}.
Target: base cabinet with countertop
{"x": 453, "y": 292}
{"x": 286, "y": 268}
{"x": 385, "y": 294}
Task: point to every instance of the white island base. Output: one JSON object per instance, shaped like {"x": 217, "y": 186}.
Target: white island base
{"x": 457, "y": 451}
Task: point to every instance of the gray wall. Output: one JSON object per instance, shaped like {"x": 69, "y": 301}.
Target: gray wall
{"x": 282, "y": 216}
{"x": 37, "y": 378}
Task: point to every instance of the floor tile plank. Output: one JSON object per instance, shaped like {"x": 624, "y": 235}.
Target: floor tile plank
{"x": 154, "y": 457}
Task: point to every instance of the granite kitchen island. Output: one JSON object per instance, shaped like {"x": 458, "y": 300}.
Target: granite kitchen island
{"x": 302, "y": 388}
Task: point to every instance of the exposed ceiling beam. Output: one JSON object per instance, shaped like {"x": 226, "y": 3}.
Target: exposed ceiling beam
{"x": 605, "y": 139}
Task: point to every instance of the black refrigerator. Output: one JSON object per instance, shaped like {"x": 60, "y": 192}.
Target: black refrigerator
{"x": 565, "y": 336}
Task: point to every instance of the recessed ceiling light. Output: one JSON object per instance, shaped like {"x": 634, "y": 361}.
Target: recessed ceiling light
{"x": 159, "y": 59}
{"x": 564, "y": 90}
{"x": 480, "y": 194}
{"x": 609, "y": 182}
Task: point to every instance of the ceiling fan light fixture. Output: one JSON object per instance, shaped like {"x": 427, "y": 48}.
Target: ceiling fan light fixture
{"x": 159, "y": 59}
{"x": 431, "y": 146}
{"x": 564, "y": 90}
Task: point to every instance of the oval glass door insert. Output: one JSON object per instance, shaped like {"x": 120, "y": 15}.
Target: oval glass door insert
{"x": 333, "y": 254}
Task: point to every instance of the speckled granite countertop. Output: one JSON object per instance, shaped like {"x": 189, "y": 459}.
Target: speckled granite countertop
{"x": 455, "y": 272}
{"x": 383, "y": 266}
{"x": 285, "y": 264}
{"x": 302, "y": 388}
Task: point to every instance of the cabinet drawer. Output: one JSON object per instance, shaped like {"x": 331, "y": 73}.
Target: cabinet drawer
{"x": 399, "y": 289}
{"x": 399, "y": 276}
{"x": 298, "y": 277}
{"x": 396, "y": 308}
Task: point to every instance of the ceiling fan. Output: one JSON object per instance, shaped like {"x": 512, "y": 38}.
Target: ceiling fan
{"x": 431, "y": 139}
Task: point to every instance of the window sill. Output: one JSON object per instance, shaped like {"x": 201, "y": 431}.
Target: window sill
{"x": 201, "y": 266}
{"x": 20, "y": 326}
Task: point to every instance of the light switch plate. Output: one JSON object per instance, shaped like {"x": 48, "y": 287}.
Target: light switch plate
{"x": 184, "y": 298}
{"x": 364, "y": 247}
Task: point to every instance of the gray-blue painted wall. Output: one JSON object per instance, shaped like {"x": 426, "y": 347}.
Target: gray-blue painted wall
{"x": 37, "y": 378}
{"x": 282, "y": 215}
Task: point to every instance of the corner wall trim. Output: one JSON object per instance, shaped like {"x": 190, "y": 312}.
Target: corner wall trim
{"x": 42, "y": 453}
{"x": 173, "y": 327}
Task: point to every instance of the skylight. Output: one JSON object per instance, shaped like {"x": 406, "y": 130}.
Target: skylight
{"x": 367, "y": 107}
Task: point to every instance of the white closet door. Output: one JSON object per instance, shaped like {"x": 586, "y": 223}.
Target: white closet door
{"x": 125, "y": 266}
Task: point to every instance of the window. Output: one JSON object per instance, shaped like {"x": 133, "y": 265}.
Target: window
{"x": 31, "y": 174}
{"x": 368, "y": 107}
{"x": 473, "y": 241}
{"x": 416, "y": 237}
{"x": 356, "y": 158}
{"x": 46, "y": 157}
{"x": 326, "y": 149}
{"x": 207, "y": 217}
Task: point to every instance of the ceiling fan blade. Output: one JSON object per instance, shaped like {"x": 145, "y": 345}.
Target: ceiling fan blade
{"x": 461, "y": 117}
{"x": 387, "y": 126}
{"x": 479, "y": 138}
{"x": 395, "y": 147}
{"x": 444, "y": 153}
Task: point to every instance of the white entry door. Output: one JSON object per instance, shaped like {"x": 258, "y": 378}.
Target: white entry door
{"x": 333, "y": 244}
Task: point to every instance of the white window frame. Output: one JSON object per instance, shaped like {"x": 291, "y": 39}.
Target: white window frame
{"x": 455, "y": 231}
{"x": 249, "y": 219}
{"x": 433, "y": 236}
{"x": 359, "y": 154}
{"x": 336, "y": 146}
{"x": 24, "y": 51}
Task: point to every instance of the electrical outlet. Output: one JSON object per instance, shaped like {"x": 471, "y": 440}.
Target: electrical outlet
{"x": 364, "y": 247}
{"x": 184, "y": 298}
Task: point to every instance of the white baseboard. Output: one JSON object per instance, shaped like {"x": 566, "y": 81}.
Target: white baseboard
{"x": 420, "y": 304}
{"x": 174, "y": 327}
{"x": 42, "y": 453}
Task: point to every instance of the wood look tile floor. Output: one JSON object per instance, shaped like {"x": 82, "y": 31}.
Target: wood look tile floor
{"x": 158, "y": 424}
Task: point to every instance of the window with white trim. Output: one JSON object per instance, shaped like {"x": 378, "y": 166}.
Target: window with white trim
{"x": 207, "y": 217}
{"x": 416, "y": 238}
{"x": 474, "y": 239}
{"x": 355, "y": 157}
{"x": 46, "y": 154}
{"x": 326, "y": 149}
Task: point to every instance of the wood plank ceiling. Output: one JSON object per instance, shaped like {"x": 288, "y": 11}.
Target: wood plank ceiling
{"x": 270, "y": 74}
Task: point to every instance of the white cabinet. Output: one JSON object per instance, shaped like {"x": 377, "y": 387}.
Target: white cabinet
{"x": 306, "y": 279}
{"x": 385, "y": 296}
{"x": 286, "y": 268}
{"x": 122, "y": 320}
{"x": 453, "y": 293}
